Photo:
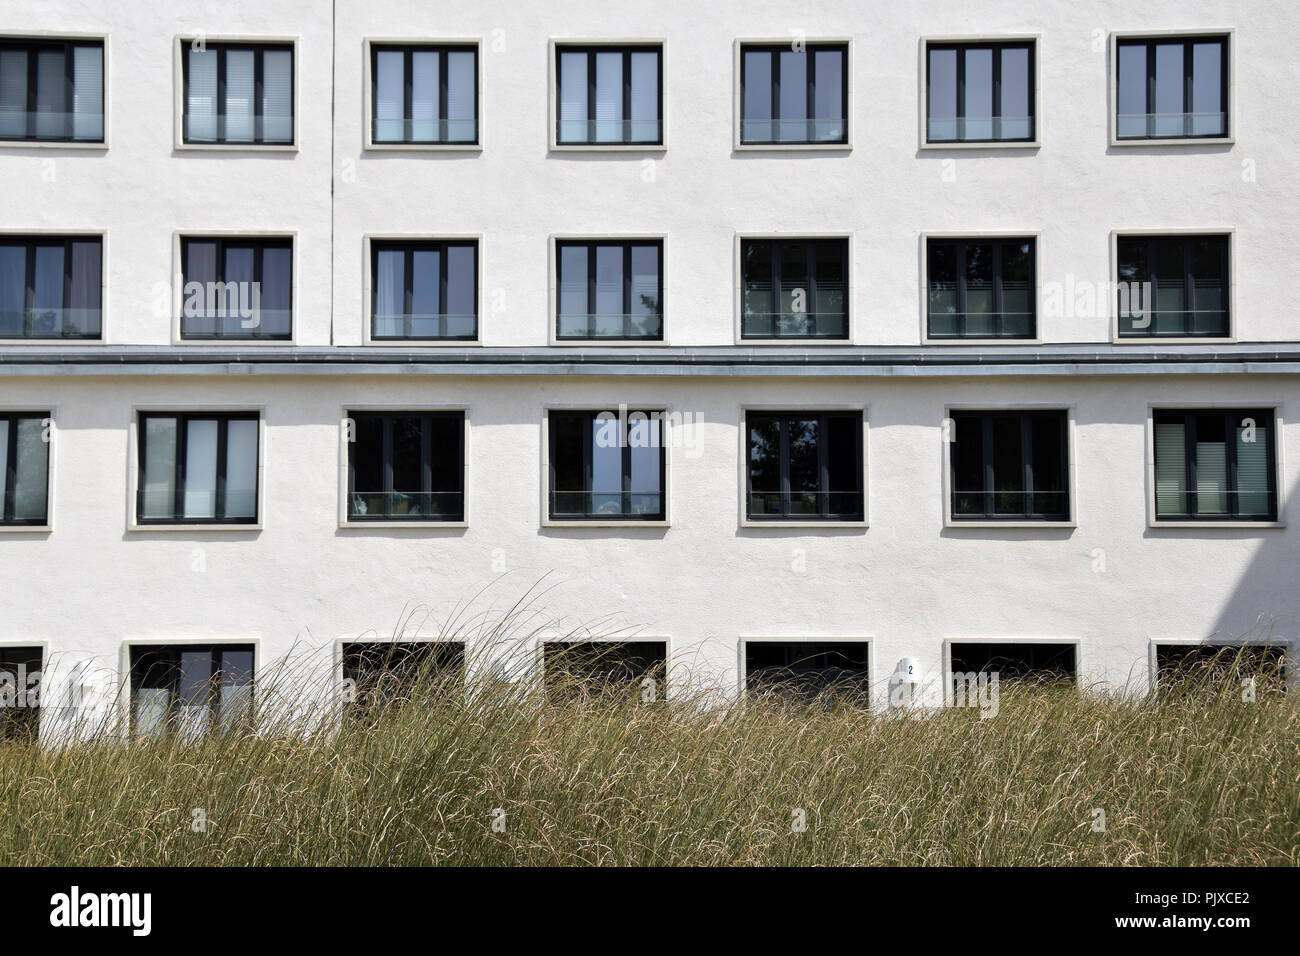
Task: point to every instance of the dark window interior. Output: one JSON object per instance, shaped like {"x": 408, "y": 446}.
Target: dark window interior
{"x": 805, "y": 671}
{"x": 794, "y": 288}
{"x": 1175, "y": 286}
{"x": 602, "y": 468}
{"x": 406, "y": 466}
{"x": 1233, "y": 663}
{"x": 1010, "y": 466}
{"x": 1015, "y": 662}
{"x": 190, "y": 688}
{"x": 599, "y": 667}
{"x": 387, "y": 673}
{"x": 805, "y": 465}
{"x": 20, "y": 694}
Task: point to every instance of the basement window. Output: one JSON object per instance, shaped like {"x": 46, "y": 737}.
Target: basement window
{"x": 20, "y": 687}
{"x": 802, "y": 672}
{"x": 615, "y": 668}
{"x": 1039, "y": 663}
{"x": 1227, "y": 663}
{"x": 190, "y": 689}
{"x": 381, "y": 674}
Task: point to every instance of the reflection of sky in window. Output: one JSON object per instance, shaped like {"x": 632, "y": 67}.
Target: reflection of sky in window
{"x": 1169, "y": 89}
{"x": 758, "y": 86}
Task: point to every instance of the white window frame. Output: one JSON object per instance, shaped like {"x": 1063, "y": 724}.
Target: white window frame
{"x": 123, "y": 702}
{"x": 742, "y": 658}
{"x": 368, "y": 289}
{"x": 42, "y": 687}
{"x": 553, "y": 94}
{"x": 553, "y": 291}
{"x": 370, "y": 637}
{"x": 47, "y": 35}
{"x": 369, "y": 143}
{"x": 1229, "y": 339}
{"x": 178, "y": 82}
{"x": 1289, "y": 649}
{"x": 976, "y": 234}
{"x": 948, "y": 642}
{"x": 737, "y": 97}
{"x": 1112, "y": 82}
{"x": 922, "y": 55}
{"x": 52, "y": 414}
{"x": 672, "y": 681}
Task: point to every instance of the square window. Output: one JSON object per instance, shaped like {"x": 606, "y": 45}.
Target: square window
{"x": 804, "y": 466}
{"x": 794, "y": 288}
{"x": 791, "y": 97}
{"x": 1217, "y": 465}
{"x": 1009, "y": 466}
{"x": 190, "y": 690}
{"x": 197, "y": 468}
{"x": 406, "y": 466}
{"x": 51, "y": 91}
{"x": 236, "y": 288}
{"x": 609, "y": 95}
{"x": 609, "y": 289}
{"x": 1171, "y": 88}
{"x": 603, "y": 467}
{"x": 981, "y": 92}
{"x": 237, "y": 94}
{"x": 51, "y": 287}
{"x": 424, "y": 290}
{"x": 424, "y": 94}
{"x": 981, "y": 288}
{"x": 1173, "y": 286}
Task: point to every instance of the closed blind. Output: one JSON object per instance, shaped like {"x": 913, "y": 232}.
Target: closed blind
{"x": 239, "y": 96}
{"x": 1171, "y": 470}
{"x": 1212, "y": 477}
{"x": 13, "y": 93}
{"x": 1252, "y": 472}
{"x": 277, "y": 96}
{"x": 88, "y": 93}
{"x": 201, "y": 97}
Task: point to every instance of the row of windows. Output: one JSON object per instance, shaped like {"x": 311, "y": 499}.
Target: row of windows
{"x": 203, "y": 468}
{"x": 195, "y": 689}
{"x": 1171, "y": 286}
{"x": 612, "y": 94}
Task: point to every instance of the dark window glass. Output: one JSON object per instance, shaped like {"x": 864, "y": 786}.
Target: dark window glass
{"x": 616, "y": 668}
{"x": 50, "y": 287}
{"x": 24, "y": 468}
{"x": 609, "y": 95}
{"x": 237, "y": 288}
{"x": 805, "y": 466}
{"x": 1173, "y": 286}
{"x": 238, "y": 94}
{"x": 52, "y": 90}
{"x": 802, "y": 672}
{"x": 609, "y": 290}
{"x": 191, "y": 689}
{"x": 426, "y": 289}
{"x": 406, "y": 466}
{"x": 1222, "y": 664}
{"x": 424, "y": 94}
{"x": 1215, "y": 465}
{"x": 197, "y": 468}
{"x": 981, "y": 288}
{"x": 794, "y": 288}
{"x": 1009, "y": 465}
{"x": 1012, "y": 661}
{"x": 20, "y": 693}
{"x": 794, "y": 96}
{"x": 603, "y": 468}
{"x": 980, "y": 92}
{"x": 1172, "y": 88}
{"x": 382, "y": 674}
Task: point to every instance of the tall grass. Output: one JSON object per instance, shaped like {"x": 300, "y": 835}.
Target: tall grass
{"x": 1196, "y": 776}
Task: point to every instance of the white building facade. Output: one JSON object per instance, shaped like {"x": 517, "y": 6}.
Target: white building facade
{"x": 962, "y": 323}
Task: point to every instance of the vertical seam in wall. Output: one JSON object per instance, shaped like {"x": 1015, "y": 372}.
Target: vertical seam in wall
{"x": 334, "y": 54}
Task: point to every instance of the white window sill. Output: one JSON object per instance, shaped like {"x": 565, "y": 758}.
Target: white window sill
{"x": 787, "y": 524}
{"x": 990, "y": 144}
{"x": 975, "y": 524}
{"x": 609, "y": 147}
{"x": 983, "y": 343}
{"x": 237, "y": 147}
{"x": 424, "y": 147}
{"x": 792, "y": 147}
{"x": 1176, "y": 141}
{"x": 423, "y": 343}
{"x": 183, "y": 528}
{"x": 363, "y": 526}
{"x": 26, "y": 528}
{"x": 1171, "y": 340}
{"x": 1220, "y": 525}
{"x": 625, "y": 524}
{"x": 793, "y": 342}
{"x": 39, "y": 144}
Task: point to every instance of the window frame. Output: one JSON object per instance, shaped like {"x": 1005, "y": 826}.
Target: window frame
{"x": 127, "y": 688}
{"x": 1154, "y": 644}
{"x": 663, "y": 520}
{"x": 1227, "y": 85}
{"x": 552, "y": 639}
{"x": 12, "y": 414}
{"x": 742, "y": 686}
{"x": 820, "y": 409}
{"x": 558, "y": 241}
{"x": 349, "y": 413}
{"x": 949, "y": 698}
{"x": 259, "y": 240}
{"x": 978, "y": 236}
{"x": 558, "y": 45}
{"x": 373, "y": 241}
{"x": 181, "y": 80}
{"x": 1276, "y": 465}
{"x": 407, "y": 45}
{"x": 1069, "y": 467}
{"x": 1230, "y": 299}
{"x": 738, "y": 143}
{"x": 43, "y": 38}
{"x": 370, "y": 639}
{"x": 1032, "y": 40}
{"x": 41, "y": 650}
{"x": 738, "y": 282}
{"x": 37, "y": 237}
{"x": 136, "y": 458}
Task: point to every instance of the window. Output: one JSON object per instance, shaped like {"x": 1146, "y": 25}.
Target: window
{"x": 190, "y": 689}
{"x": 1009, "y": 466}
{"x": 381, "y": 674}
{"x": 1173, "y": 286}
{"x": 1215, "y": 465}
{"x": 1229, "y": 664}
{"x": 423, "y": 95}
{"x": 981, "y": 288}
{"x": 424, "y": 290}
{"x": 1042, "y": 663}
{"x": 1172, "y": 88}
{"x": 615, "y": 668}
{"x": 238, "y": 94}
{"x": 52, "y": 91}
{"x": 807, "y": 671}
{"x": 24, "y": 468}
{"x": 980, "y": 92}
{"x": 609, "y": 290}
{"x": 795, "y": 288}
{"x": 794, "y": 96}
{"x": 198, "y": 468}
{"x": 20, "y": 692}
{"x": 406, "y": 466}
{"x": 805, "y": 466}
{"x": 237, "y": 288}
{"x": 609, "y": 95}
{"x": 603, "y": 468}
{"x": 50, "y": 287}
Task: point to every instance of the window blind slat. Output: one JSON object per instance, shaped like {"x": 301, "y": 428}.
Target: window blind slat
{"x": 424, "y": 96}
{"x": 1171, "y": 470}
{"x": 51, "y": 98}
{"x": 277, "y": 96}
{"x": 1252, "y": 472}
{"x": 201, "y": 98}
{"x": 239, "y": 102}
{"x": 13, "y": 93}
{"x": 1211, "y": 478}
{"x": 88, "y": 93}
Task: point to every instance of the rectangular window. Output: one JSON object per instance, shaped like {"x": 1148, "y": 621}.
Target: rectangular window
{"x": 237, "y": 288}
{"x": 24, "y": 468}
{"x": 981, "y": 288}
{"x": 794, "y": 288}
{"x": 426, "y": 289}
{"x": 191, "y": 690}
{"x": 1009, "y": 466}
{"x": 50, "y": 287}
{"x": 20, "y": 714}
{"x": 1215, "y": 465}
{"x": 803, "y": 672}
{"x": 238, "y": 93}
{"x": 197, "y": 468}
{"x": 980, "y": 92}
{"x": 1171, "y": 88}
{"x": 805, "y": 466}
{"x": 1220, "y": 664}
{"x": 382, "y": 674}
{"x": 604, "y": 469}
{"x": 609, "y": 95}
{"x": 424, "y": 94}
{"x": 614, "y": 668}
{"x": 608, "y": 289}
{"x": 51, "y": 91}
{"x": 1173, "y": 286}
{"x": 1042, "y": 663}
{"x": 406, "y": 466}
{"x": 794, "y": 96}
